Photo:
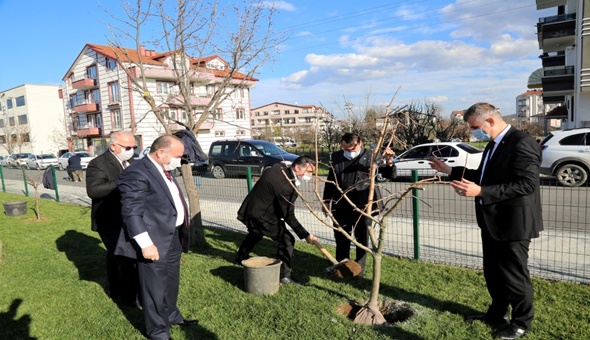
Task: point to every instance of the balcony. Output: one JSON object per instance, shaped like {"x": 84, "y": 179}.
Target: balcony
{"x": 88, "y": 107}
{"x": 555, "y": 60}
{"x": 557, "y": 32}
{"x": 84, "y": 84}
{"x": 543, "y": 4}
{"x": 558, "y": 81}
{"x": 88, "y": 131}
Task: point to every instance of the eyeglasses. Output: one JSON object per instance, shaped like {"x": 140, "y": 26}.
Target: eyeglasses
{"x": 127, "y": 148}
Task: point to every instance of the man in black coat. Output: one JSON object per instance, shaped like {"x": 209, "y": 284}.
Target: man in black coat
{"x": 269, "y": 206}
{"x": 101, "y": 186}
{"x": 350, "y": 171}
{"x": 506, "y": 191}
{"x": 75, "y": 168}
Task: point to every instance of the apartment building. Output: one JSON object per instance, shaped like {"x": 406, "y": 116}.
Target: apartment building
{"x": 278, "y": 119}
{"x": 99, "y": 97}
{"x": 564, "y": 39}
{"x": 530, "y": 109}
{"x": 31, "y": 119}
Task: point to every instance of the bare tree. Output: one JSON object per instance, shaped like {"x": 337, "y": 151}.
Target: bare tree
{"x": 191, "y": 30}
{"x": 16, "y": 136}
{"x": 35, "y": 181}
{"x": 417, "y": 123}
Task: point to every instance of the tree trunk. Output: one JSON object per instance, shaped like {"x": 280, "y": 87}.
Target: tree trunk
{"x": 197, "y": 232}
{"x": 370, "y": 314}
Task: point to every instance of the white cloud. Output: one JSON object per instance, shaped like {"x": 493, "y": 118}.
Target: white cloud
{"x": 280, "y": 5}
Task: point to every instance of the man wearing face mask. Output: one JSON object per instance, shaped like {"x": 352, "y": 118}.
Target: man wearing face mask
{"x": 101, "y": 186}
{"x": 350, "y": 171}
{"x": 506, "y": 192}
{"x": 156, "y": 232}
{"x": 269, "y": 206}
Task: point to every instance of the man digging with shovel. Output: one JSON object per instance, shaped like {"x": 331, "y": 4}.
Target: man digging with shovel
{"x": 270, "y": 205}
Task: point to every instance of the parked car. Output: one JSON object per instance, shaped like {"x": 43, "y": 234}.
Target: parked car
{"x": 16, "y": 160}
{"x": 453, "y": 153}
{"x": 566, "y": 155}
{"x": 4, "y": 160}
{"x": 84, "y": 160}
{"x": 284, "y": 142}
{"x": 198, "y": 168}
{"x": 233, "y": 157}
{"x": 41, "y": 161}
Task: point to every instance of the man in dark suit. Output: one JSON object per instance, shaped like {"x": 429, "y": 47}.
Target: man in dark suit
{"x": 101, "y": 186}
{"x": 350, "y": 170}
{"x": 156, "y": 232}
{"x": 269, "y": 206}
{"x": 507, "y": 196}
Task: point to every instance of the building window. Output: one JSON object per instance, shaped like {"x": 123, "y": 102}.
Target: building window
{"x": 219, "y": 133}
{"x": 22, "y": 120}
{"x": 24, "y": 137}
{"x": 91, "y": 72}
{"x": 218, "y": 115}
{"x": 266, "y": 113}
{"x": 240, "y": 114}
{"x": 73, "y": 101}
{"x": 252, "y": 122}
{"x": 257, "y": 113}
{"x": 2, "y": 139}
{"x": 1, "y": 123}
{"x": 117, "y": 119}
{"x": 9, "y": 103}
{"x": 164, "y": 87}
{"x": 114, "y": 92}
{"x": 287, "y": 112}
{"x": 276, "y": 112}
{"x": 11, "y": 121}
{"x": 20, "y": 101}
{"x": 296, "y": 112}
{"x": 240, "y": 133}
{"x": 111, "y": 64}
{"x": 95, "y": 96}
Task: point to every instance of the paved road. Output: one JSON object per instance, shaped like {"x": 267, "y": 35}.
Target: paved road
{"x": 448, "y": 232}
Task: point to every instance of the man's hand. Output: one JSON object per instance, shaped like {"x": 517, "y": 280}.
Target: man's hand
{"x": 439, "y": 166}
{"x": 150, "y": 253}
{"x": 389, "y": 154}
{"x": 466, "y": 188}
{"x": 311, "y": 238}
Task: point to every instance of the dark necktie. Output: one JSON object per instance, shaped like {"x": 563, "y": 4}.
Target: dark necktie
{"x": 183, "y": 240}
{"x": 490, "y": 150}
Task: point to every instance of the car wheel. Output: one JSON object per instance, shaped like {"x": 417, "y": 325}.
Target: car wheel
{"x": 38, "y": 166}
{"x": 571, "y": 175}
{"x": 61, "y": 167}
{"x": 218, "y": 172}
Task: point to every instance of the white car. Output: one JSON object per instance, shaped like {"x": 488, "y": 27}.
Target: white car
{"x": 452, "y": 153}
{"x": 4, "y": 160}
{"x": 63, "y": 159}
{"x": 566, "y": 155}
{"x": 41, "y": 161}
{"x": 16, "y": 160}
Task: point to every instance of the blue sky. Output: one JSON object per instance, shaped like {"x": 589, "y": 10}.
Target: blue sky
{"x": 455, "y": 53}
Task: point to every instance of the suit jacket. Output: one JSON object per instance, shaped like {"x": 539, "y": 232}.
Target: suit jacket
{"x": 147, "y": 206}
{"x": 272, "y": 199}
{"x": 101, "y": 186}
{"x": 511, "y": 204}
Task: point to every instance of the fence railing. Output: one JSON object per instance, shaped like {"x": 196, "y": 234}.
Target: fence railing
{"x": 434, "y": 225}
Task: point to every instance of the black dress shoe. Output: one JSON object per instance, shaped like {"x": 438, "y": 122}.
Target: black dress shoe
{"x": 238, "y": 260}
{"x": 188, "y": 322}
{"x": 510, "y": 332}
{"x": 488, "y": 319}
{"x": 289, "y": 281}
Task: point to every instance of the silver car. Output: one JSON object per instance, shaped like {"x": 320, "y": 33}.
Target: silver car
{"x": 41, "y": 161}
{"x": 566, "y": 155}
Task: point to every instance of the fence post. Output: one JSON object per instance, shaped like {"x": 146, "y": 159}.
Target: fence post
{"x": 249, "y": 178}
{"x": 416, "y": 216}
{"x": 2, "y": 177}
{"x": 25, "y": 180}
{"x": 54, "y": 182}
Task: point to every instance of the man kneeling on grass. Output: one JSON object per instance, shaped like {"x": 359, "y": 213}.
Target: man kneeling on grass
{"x": 270, "y": 205}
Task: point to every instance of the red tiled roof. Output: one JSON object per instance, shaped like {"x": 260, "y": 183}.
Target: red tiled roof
{"x": 531, "y": 93}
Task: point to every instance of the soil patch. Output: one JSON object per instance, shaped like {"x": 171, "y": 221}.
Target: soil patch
{"x": 393, "y": 311}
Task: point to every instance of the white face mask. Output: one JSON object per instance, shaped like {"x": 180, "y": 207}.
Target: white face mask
{"x": 125, "y": 154}
{"x": 351, "y": 155}
{"x": 174, "y": 163}
{"x": 306, "y": 177}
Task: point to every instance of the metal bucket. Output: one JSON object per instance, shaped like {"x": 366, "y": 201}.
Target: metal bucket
{"x": 17, "y": 208}
{"x": 262, "y": 275}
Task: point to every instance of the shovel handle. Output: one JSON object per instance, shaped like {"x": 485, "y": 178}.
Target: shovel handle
{"x": 325, "y": 252}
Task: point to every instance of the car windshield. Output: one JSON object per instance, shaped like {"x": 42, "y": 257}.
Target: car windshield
{"x": 46, "y": 156}
{"x": 22, "y": 155}
{"x": 469, "y": 148}
{"x": 267, "y": 148}
{"x": 83, "y": 154}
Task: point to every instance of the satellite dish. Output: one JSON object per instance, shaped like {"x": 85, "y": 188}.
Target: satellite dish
{"x": 535, "y": 79}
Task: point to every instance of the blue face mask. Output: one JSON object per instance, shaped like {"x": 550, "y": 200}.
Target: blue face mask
{"x": 480, "y": 135}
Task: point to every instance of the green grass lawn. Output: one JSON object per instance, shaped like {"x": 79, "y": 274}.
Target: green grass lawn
{"x": 52, "y": 282}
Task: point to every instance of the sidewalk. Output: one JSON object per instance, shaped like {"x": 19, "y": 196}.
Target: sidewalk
{"x": 555, "y": 255}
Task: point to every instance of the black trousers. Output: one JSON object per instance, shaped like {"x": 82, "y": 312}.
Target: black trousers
{"x": 159, "y": 281}
{"x": 505, "y": 268}
{"x": 355, "y": 224}
{"x": 279, "y": 233}
{"x": 121, "y": 271}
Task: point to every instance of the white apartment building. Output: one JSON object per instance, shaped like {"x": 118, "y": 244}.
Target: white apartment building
{"x": 31, "y": 119}
{"x": 565, "y": 41}
{"x": 285, "y": 119}
{"x": 530, "y": 109}
{"x": 100, "y": 98}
